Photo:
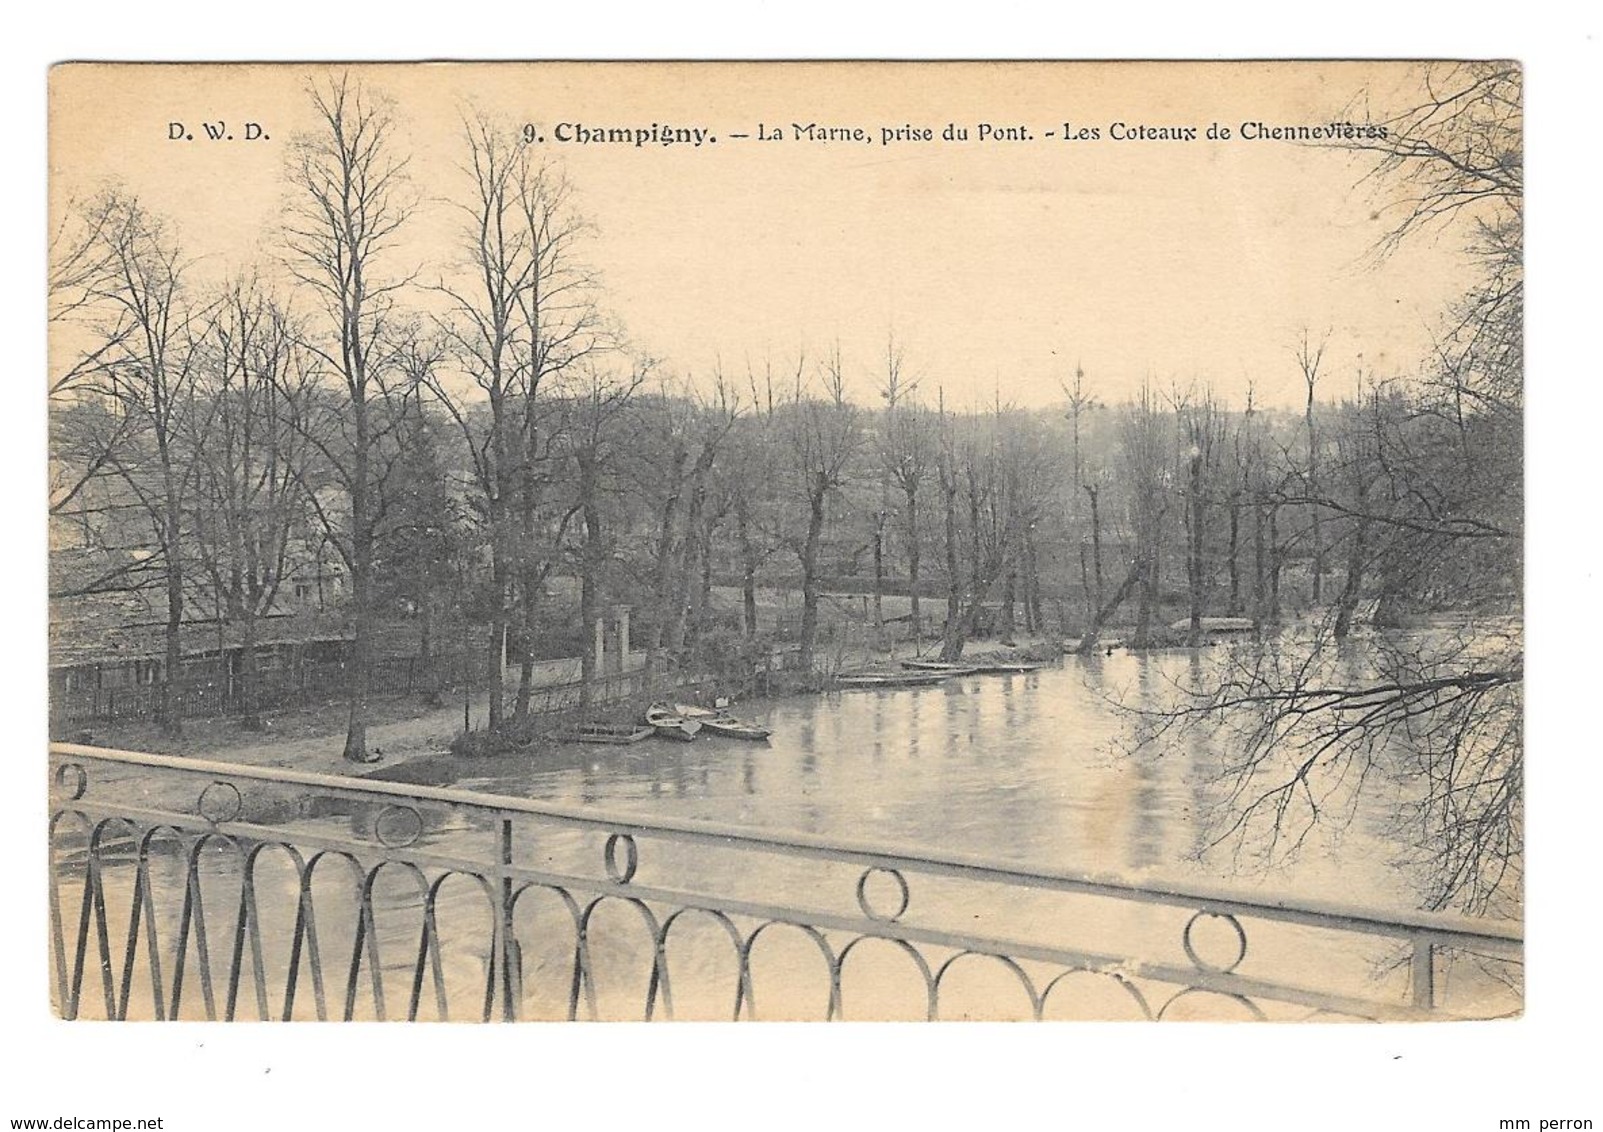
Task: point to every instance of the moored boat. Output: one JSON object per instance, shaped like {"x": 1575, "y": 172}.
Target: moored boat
{"x": 618, "y": 733}
{"x": 716, "y": 722}
{"x": 1006, "y": 667}
{"x": 731, "y": 728}
{"x": 668, "y": 724}
{"x": 890, "y": 679}
{"x": 1216, "y": 625}
{"x": 945, "y": 668}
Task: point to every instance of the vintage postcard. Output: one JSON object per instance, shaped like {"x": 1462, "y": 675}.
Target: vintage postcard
{"x": 781, "y": 541}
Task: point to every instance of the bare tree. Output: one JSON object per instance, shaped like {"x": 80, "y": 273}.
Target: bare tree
{"x": 1309, "y": 357}
{"x": 710, "y": 423}
{"x": 596, "y": 402}
{"x": 1147, "y": 446}
{"x": 521, "y": 313}
{"x": 1080, "y": 402}
{"x": 1454, "y": 157}
{"x": 1202, "y": 423}
{"x": 1002, "y": 483}
{"x": 823, "y": 434}
{"x": 351, "y": 200}
{"x": 132, "y": 274}
{"x": 909, "y": 456}
{"x": 254, "y": 381}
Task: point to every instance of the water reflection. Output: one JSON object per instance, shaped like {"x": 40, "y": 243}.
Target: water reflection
{"x": 1031, "y": 769}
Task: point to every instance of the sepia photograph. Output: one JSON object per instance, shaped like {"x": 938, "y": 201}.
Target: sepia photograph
{"x": 805, "y": 541}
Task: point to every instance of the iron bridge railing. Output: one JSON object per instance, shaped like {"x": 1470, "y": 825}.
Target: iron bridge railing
{"x": 184, "y": 888}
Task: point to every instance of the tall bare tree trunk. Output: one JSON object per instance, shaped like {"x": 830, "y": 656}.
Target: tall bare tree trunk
{"x": 590, "y": 600}
{"x": 1100, "y": 615}
{"x": 244, "y": 613}
{"x": 748, "y": 568}
{"x": 662, "y": 578}
{"x": 1194, "y": 518}
{"x": 168, "y": 713}
{"x": 912, "y": 564}
{"x": 1096, "y": 545}
{"x": 358, "y": 657}
{"x": 1276, "y": 557}
{"x": 1145, "y": 600}
{"x": 1260, "y": 563}
{"x": 1347, "y": 602}
{"x": 1235, "y": 555}
{"x": 809, "y": 559}
{"x": 951, "y": 637}
{"x": 879, "y": 577}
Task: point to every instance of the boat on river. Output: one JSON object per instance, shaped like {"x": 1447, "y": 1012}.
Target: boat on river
{"x": 731, "y": 728}
{"x": 890, "y": 679}
{"x": 945, "y": 668}
{"x": 721, "y": 723}
{"x": 1005, "y": 667}
{"x": 669, "y": 724}
{"x": 1216, "y": 625}
{"x": 615, "y": 733}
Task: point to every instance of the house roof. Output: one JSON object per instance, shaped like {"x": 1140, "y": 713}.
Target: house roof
{"x": 128, "y": 620}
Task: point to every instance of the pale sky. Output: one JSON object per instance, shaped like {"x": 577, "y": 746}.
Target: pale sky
{"x": 998, "y": 264}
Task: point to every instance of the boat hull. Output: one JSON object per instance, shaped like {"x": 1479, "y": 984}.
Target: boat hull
{"x": 892, "y": 680}
{"x": 611, "y": 735}
{"x": 735, "y": 729}
{"x": 669, "y": 725}
{"x": 939, "y": 667}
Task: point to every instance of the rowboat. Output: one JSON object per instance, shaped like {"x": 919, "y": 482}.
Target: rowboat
{"x": 668, "y": 725}
{"x": 1005, "y": 667}
{"x": 890, "y": 679}
{"x": 945, "y": 668}
{"x": 1216, "y": 625}
{"x": 605, "y": 733}
{"x": 719, "y": 722}
{"x": 731, "y": 728}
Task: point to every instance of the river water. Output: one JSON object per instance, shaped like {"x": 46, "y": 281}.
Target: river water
{"x": 1033, "y": 769}
{"x": 1029, "y": 769}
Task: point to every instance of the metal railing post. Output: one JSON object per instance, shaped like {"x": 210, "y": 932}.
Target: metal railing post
{"x": 1424, "y": 974}
{"x": 508, "y": 945}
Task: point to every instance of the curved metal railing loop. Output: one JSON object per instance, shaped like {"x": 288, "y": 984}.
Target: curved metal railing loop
{"x": 660, "y": 951}
{"x": 575, "y": 914}
{"x": 930, "y": 1009}
{"x": 193, "y": 919}
{"x": 306, "y": 923}
{"x": 654, "y": 979}
{"x": 142, "y": 908}
{"x": 831, "y": 965}
{"x": 226, "y": 802}
{"x": 1198, "y": 992}
{"x": 367, "y": 933}
{"x": 250, "y": 921}
{"x": 393, "y": 835}
{"x": 1018, "y": 972}
{"x": 866, "y": 903}
{"x": 430, "y": 948}
{"x": 1191, "y": 950}
{"x": 625, "y": 872}
{"x": 1119, "y": 980}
